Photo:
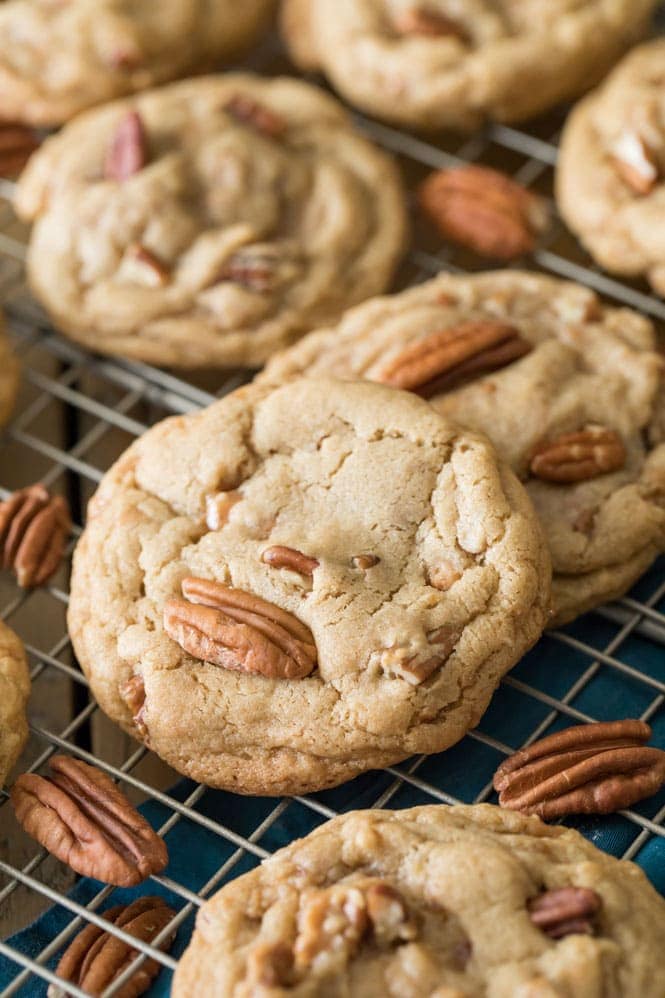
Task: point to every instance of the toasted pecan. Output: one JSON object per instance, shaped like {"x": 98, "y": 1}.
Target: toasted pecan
{"x": 587, "y": 769}
{"x": 33, "y": 532}
{"x": 578, "y": 456}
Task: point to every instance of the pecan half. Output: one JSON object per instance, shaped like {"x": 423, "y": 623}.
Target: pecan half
{"x": 283, "y": 557}
{"x": 96, "y": 958}
{"x": 80, "y": 816}
{"x": 248, "y": 111}
{"x": 239, "y": 631}
{"x": 587, "y": 769}
{"x": 635, "y": 162}
{"x": 429, "y": 23}
{"x": 444, "y": 359}
{"x": 133, "y": 693}
{"x": 128, "y": 151}
{"x": 565, "y": 911}
{"x": 34, "y": 527}
{"x": 17, "y": 144}
{"x": 483, "y": 210}
{"x": 576, "y": 457}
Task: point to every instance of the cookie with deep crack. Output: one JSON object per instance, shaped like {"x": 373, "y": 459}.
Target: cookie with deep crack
{"x": 9, "y": 375}
{"x": 445, "y": 64}
{"x": 571, "y": 393}
{"x": 14, "y": 693}
{"x": 611, "y": 175}
{"x": 210, "y": 222}
{"x": 299, "y": 584}
{"x": 59, "y": 58}
{"x": 431, "y": 902}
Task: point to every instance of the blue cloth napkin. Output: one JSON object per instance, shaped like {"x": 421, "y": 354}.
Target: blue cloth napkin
{"x": 552, "y": 667}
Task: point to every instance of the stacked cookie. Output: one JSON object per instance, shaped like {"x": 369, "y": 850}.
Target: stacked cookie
{"x": 332, "y": 568}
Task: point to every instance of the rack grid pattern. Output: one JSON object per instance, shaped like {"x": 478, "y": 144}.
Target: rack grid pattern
{"x": 617, "y": 650}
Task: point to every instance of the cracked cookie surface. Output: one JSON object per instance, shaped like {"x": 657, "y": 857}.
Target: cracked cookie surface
{"x": 430, "y": 902}
{"x": 14, "y": 693}
{"x": 440, "y": 63}
{"x": 571, "y": 365}
{"x": 9, "y": 375}
{"x": 611, "y": 174}
{"x": 431, "y": 580}
{"x": 58, "y": 58}
{"x": 247, "y": 210}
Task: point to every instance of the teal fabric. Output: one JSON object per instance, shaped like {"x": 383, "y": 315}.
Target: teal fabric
{"x": 463, "y": 771}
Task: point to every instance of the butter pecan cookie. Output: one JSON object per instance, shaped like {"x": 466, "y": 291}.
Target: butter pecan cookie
{"x": 431, "y": 902}
{"x": 59, "y": 57}
{"x": 14, "y": 693}
{"x": 210, "y": 222}
{"x": 9, "y": 375}
{"x": 299, "y": 584}
{"x": 571, "y": 393}
{"x": 611, "y": 174}
{"x": 446, "y": 64}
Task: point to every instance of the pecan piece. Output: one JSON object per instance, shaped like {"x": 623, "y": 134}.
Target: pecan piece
{"x": 483, "y": 210}
{"x": 96, "y": 958}
{"x": 444, "y": 359}
{"x": 635, "y": 162}
{"x": 17, "y": 144}
{"x": 587, "y": 769}
{"x": 330, "y": 927}
{"x": 576, "y": 457}
{"x": 239, "y": 631}
{"x": 133, "y": 693}
{"x": 144, "y": 267}
{"x": 365, "y": 561}
{"x": 128, "y": 151}
{"x": 80, "y": 816}
{"x": 247, "y": 111}
{"x": 33, "y": 532}
{"x": 218, "y": 508}
{"x": 565, "y": 911}
{"x": 429, "y": 23}
{"x": 283, "y": 557}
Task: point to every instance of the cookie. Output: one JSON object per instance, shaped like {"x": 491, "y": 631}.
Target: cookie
{"x": 431, "y": 902}
{"x": 9, "y": 375}
{"x": 14, "y": 693}
{"x": 610, "y": 182}
{"x": 57, "y": 59}
{"x": 299, "y": 584}
{"x": 210, "y": 222}
{"x": 445, "y": 64}
{"x": 532, "y": 362}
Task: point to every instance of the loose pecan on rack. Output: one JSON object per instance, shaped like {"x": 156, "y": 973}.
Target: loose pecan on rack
{"x": 484, "y": 210}
{"x": 565, "y": 911}
{"x": 33, "y": 532}
{"x": 635, "y": 162}
{"x": 248, "y": 111}
{"x": 240, "y": 631}
{"x": 79, "y": 815}
{"x": 96, "y": 958}
{"x": 128, "y": 151}
{"x": 423, "y": 20}
{"x": 578, "y": 456}
{"x": 587, "y": 769}
{"x": 17, "y": 144}
{"x": 444, "y": 359}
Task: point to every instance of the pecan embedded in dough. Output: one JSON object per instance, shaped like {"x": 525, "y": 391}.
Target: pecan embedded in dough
{"x": 240, "y": 631}
{"x": 422, "y": 20}
{"x": 251, "y": 112}
{"x": 576, "y": 457}
{"x": 565, "y": 911}
{"x": 284, "y": 557}
{"x": 128, "y": 151}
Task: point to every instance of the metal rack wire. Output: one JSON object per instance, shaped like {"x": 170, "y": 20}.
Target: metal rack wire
{"x": 100, "y": 405}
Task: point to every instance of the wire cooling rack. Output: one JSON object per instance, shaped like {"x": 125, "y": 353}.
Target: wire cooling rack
{"x": 79, "y": 412}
